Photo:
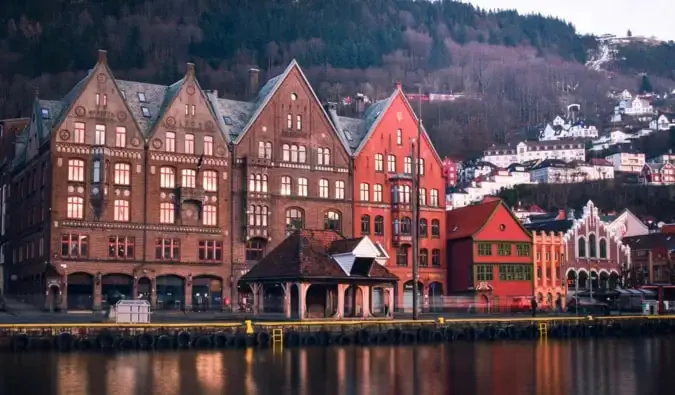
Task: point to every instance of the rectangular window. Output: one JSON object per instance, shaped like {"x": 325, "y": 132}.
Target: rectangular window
{"x": 189, "y": 143}
{"x": 76, "y": 170}
{"x": 286, "y": 186}
{"x": 379, "y": 162}
{"x": 407, "y": 165}
{"x": 193, "y": 110}
{"x": 433, "y": 197}
{"x": 120, "y": 137}
{"x": 210, "y": 180}
{"x": 79, "y": 132}
{"x": 391, "y": 164}
{"x": 141, "y": 97}
{"x": 339, "y": 190}
{"x": 210, "y": 250}
{"x": 121, "y": 208}
{"x": 484, "y": 272}
{"x": 484, "y": 249}
{"x": 74, "y": 245}
{"x": 515, "y": 272}
{"x": 100, "y": 135}
{"x": 167, "y": 249}
{"x": 423, "y": 197}
{"x": 302, "y": 186}
{"x": 522, "y": 249}
{"x": 365, "y": 192}
{"x": 121, "y": 247}
{"x": 170, "y": 142}
{"x": 98, "y": 99}
{"x": 399, "y": 137}
{"x": 323, "y": 188}
{"x": 208, "y": 145}
{"x": 504, "y": 249}
{"x": 122, "y": 173}
{"x": 298, "y": 122}
{"x": 210, "y": 215}
{"x": 167, "y": 213}
{"x": 167, "y": 177}
{"x": 188, "y": 177}
{"x": 377, "y": 192}
{"x": 75, "y": 207}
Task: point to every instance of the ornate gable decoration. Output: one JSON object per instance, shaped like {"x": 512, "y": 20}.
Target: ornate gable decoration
{"x": 590, "y": 217}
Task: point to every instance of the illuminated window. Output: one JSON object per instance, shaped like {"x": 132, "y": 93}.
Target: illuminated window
{"x": 75, "y": 208}
{"x": 210, "y": 180}
{"x": 167, "y": 213}
{"x": 208, "y": 145}
{"x": 122, "y": 174}
{"x": 285, "y": 185}
{"x": 189, "y": 143}
{"x": 170, "y": 142}
{"x": 99, "y": 138}
{"x": 79, "y": 132}
{"x": 188, "y": 178}
{"x": 323, "y": 188}
{"x": 121, "y": 210}
{"x": 120, "y": 137}
{"x": 76, "y": 170}
{"x": 210, "y": 217}
{"x": 167, "y": 177}
{"x": 339, "y": 190}
{"x": 302, "y": 186}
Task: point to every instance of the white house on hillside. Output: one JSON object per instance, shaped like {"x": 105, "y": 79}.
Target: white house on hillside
{"x": 566, "y": 150}
{"x": 571, "y": 127}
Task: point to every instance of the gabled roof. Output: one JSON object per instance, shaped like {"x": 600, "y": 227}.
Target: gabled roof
{"x": 307, "y": 255}
{"x": 651, "y": 241}
{"x": 467, "y": 221}
{"x": 550, "y": 226}
{"x": 265, "y": 94}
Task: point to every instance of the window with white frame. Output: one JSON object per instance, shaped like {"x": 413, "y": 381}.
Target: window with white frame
{"x": 433, "y": 198}
{"x": 421, "y": 166}
{"x": 208, "y": 145}
{"x": 289, "y": 121}
{"x": 391, "y": 164}
{"x": 364, "y": 191}
{"x": 170, "y": 142}
{"x": 79, "y": 133}
{"x": 298, "y": 122}
{"x": 76, "y": 170}
{"x": 189, "y": 143}
{"x": 75, "y": 207}
{"x": 286, "y": 152}
{"x": 167, "y": 213}
{"x": 97, "y": 171}
{"x": 377, "y": 192}
{"x": 167, "y": 177}
{"x": 99, "y": 138}
{"x": 188, "y": 178}
{"x": 302, "y": 154}
{"x": 423, "y": 197}
{"x": 302, "y": 186}
{"x": 122, "y": 174}
{"x": 399, "y": 136}
{"x": 339, "y": 190}
{"x": 121, "y": 210}
{"x": 210, "y": 180}
{"x": 120, "y": 137}
{"x": 323, "y": 188}
{"x": 379, "y": 162}
{"x": 210, "y": 217}
{"x": 285, "y": 186}
{"x": 407, "y": 165}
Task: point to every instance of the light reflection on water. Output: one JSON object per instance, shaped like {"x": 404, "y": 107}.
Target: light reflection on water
{"x": 599, "y": 367}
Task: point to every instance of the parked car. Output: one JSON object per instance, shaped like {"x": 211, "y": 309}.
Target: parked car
{"x": 587, "y": 306}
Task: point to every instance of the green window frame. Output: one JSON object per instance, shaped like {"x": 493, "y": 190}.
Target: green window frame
{"x": 523, "y": 249}
{"x": 504, "y": 249}
{"x": 515, "y": 272}
{"x": 484, "y": 273}
{"x": 484, "y": 249}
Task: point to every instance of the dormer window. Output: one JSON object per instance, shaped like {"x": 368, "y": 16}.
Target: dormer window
{"x": 45, "y": 113}
{"x": 141, "y": 97}
{"x": 124, "y": 94}
{"x": 146, "y": 111}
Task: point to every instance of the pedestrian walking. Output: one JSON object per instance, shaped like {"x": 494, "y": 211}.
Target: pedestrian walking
{"x": 534, "y": 307}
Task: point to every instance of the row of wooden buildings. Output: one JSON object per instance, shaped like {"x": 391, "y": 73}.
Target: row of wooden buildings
{"x": 172, "y": 193}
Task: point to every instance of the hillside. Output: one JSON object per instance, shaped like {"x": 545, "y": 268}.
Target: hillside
{"x": 515, "y": 70}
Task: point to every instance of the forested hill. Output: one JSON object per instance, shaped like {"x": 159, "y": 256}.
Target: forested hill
{"x": 519, "y": 66}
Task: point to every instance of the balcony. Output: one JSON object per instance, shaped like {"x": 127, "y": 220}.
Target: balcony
{"x": 398, "y": 239}
{"x": 195, "y": 194}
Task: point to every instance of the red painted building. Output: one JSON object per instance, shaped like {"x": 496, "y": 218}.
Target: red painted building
{"x": 489, "y": 254}
{"x": 658, "y": 173}
{"x": 382, "y": 145}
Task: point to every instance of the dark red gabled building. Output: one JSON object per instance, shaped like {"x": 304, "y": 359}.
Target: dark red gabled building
{"x": 489, "y": 254}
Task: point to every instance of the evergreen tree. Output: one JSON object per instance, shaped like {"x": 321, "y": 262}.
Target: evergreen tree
{"x": 439, "y": 55}
{"x": 646, "y": 85}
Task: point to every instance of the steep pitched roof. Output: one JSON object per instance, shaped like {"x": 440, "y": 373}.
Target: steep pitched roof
{"x": 467, "y": 221}
{"x": 306, "y": 255}
{"x": 265, "y": 95}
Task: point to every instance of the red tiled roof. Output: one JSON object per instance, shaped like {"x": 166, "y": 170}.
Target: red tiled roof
{"x": 466, "y": 221}
{"x": 305, "y": 255}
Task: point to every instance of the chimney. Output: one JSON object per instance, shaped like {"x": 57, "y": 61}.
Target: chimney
{"x": 190, "y": 70}
{"x": 561, "y": 215}
{"x": 253, "y": 82}
{"x": 397, "y": 85}
{"x": 102, "y": 56}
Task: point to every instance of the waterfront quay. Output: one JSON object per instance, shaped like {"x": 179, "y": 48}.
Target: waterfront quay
{"x": 263, "y": 334}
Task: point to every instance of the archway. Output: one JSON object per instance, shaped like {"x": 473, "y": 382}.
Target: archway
{"x": 170, "y": 292}
{"x": 435, "y": 296}
{"x": 295, "y": 300}
{"x": 353, "y": 301}
{"x": 549, "y": 299}
{"x": 604, "y": 280}
{"x": 613, "y": 280}
{"x": 583, "y": 280}
{"x": 145, "y": 289}
{"x": 53, "y": 297}
{"x": 207, "y": 293}
{"x": 80, "y": 291}
{"x": 571, "y": 279}
{"x": 273, "y": 298}
{"x": 408, "y": 296}
{"x": 377, "y": 301}
{"x": 595, "y": 280}
{"x": 320, "y": 301}
{"x": 116, "y": 287}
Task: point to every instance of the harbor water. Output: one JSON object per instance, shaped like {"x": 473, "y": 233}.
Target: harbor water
{"x": 551, "y": 367}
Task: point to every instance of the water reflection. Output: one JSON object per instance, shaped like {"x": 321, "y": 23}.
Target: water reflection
{"x": 600, "y": 367}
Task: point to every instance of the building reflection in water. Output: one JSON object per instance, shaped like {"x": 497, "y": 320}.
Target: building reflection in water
{"x": 582, "y": 367}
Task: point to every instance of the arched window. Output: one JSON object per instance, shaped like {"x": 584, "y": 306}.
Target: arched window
{"x": 603, "y": 248}
{"x": 406, "y": 194}
{"x": 406, "y": 226}
{"x": 436, "y": 257}
{"x": 365, "y": 224}
{"x": 167, "y": 177}
{"x": 396, "y": 226}
{"x": 294, "y": 153}
{"x": 286, "y": 153}
{"x": 407, "y": 165}
{"x": 379, "y": 225}
{"x": 289, "y": 121}
{"x": 435, "y": 228}
{"x": 592, "y": 246}
{"x": 394, "y": 194}
{"x": 326, "y": 156}
{"x": 167, "y": 213}
{"x": 423, "y": 227}
{"x": 424, "y": 257}
{"x": 251, "y": 182}
{"x": 261, "y": 149}
{"x": 581, "y": 247}
{"x": 402, "y": 255}
{"x": 332, "y": 221}
{"x": 295, "y": 219}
